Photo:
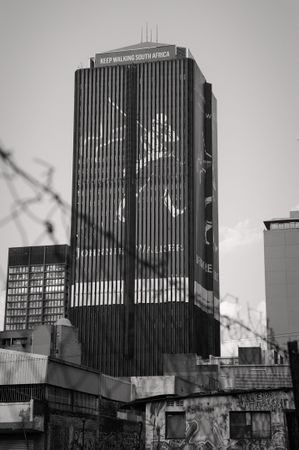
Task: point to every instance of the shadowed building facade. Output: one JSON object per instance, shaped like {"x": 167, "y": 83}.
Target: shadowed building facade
{"x": 144, "y": 234}
{"x": 281, "y": 247}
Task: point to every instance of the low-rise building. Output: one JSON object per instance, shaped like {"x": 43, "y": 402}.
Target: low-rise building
{"x": 236, "y": 420}
{"x": 50, "y": 404}
{"x": 59, "y": 341}
{"x": 219, "y": 405}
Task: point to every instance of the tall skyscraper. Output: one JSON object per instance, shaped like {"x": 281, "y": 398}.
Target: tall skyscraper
{"x": 144, "y": 211}
{"x": 37, "y": 286}
{"x": 281, "y": 245}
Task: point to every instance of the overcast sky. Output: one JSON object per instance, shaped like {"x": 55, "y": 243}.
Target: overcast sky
{"x": 248, "y": 50}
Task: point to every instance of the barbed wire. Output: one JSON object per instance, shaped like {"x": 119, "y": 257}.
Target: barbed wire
{"x": 11, "y": 172}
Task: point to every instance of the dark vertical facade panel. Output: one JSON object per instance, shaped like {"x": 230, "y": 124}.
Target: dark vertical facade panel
{"x": 130, "y": 210}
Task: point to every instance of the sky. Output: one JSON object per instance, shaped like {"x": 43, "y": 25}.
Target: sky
{"x": 247, "y": 49}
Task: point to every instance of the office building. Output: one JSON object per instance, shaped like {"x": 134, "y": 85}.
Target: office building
{"x": 281, "y": 245}
{"x": 37, "y": 286}
{"x": 144, "y": 233}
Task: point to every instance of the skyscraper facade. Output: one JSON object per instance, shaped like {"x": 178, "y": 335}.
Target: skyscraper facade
{"x": 144, "y": 210}
{"x": 37, "y": 286}
{"x": 281, "y": 246}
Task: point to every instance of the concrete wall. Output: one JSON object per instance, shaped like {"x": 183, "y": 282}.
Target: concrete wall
{"x": 143, "y": 387}
{"x": 207, "y": 421}
{"x": 213, "y": 378}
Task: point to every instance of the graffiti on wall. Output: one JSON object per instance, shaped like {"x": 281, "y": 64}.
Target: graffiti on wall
{"x": 264, "y": 400}
{"x": 118, "y": 434}
{"x": 120, "y": 441}
{"x": 207, "y": 423}
{"x": 82, "y": 440}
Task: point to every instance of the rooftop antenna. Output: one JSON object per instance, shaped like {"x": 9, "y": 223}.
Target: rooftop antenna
{"x": 157, "y": 33}
{"x": 146, "y": 32}
{"x": 141, "y": 34}
{"x": 151, "y": 35}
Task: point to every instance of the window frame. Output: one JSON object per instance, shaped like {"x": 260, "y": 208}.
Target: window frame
{"x": 250, "y": 429}
{"x": 174, "y": 413}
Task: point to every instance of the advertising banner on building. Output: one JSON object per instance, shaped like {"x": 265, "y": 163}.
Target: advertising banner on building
{"x": 206, "y": 292}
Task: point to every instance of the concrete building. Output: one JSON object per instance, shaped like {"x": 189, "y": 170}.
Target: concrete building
{"x": 58, "y": 341}
{"x": 144, "y": 232}
{"x": 48, "y": 404}
{"x": 255, "y": 419}
{"x": 281, "y": 246}
{"x": 37, "y": 286}
{"x": 216, "y": 406}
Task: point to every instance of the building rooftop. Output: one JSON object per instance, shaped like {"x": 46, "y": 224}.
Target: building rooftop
{"x": 294, "y": 217}
{"x": 19, "y": 368}
{"x": 139, "y": 53}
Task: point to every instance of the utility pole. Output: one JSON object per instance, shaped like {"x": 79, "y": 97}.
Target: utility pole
{"x": 294, "y": 365}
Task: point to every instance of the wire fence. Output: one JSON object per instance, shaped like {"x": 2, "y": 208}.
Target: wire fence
{"x": 25, "y": 207}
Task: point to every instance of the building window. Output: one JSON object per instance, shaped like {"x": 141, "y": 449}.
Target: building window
{"x": 175, "y": 425}
{"x": 247, "y": 425}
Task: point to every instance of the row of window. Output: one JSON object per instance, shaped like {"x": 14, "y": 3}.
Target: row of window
{"x": 52, "y": 318}
{"x": 36, "y": 276}
{"x": 22, "y": 299}
{"x": 16, "y": 305}
{"x": 34, "y": 311}
{"x": 52, "y": 310}
{"x": 55, "y": 281}
{"x": 20, "y": 276}
{"x": 40, "y": 282}
{"x": 16, "y": 284}
{"x": 54, "y": 288}
{"x": 55, "y": 275}
{"x": 15, "y": 312}
{"x": 36, "y": 269}
{"x": 17, "y": 298}
{"x": 34, "y": 323}
{"x": 283, "y": 225}
{"x": 58, "y": 296}
{"x": 243, "y": 425}
{"x": 50, "y": 288}
{"x": 34, "y": 304}
{"x": 55, "y": 268}
{"x": 36, "y": 289}
{"x": 18, "y": 319}
{"x": 17, "y": 291}
{"x": 54, "y": 303}
{"x": 19, "y": 269}
{"x": 37, "y": 282}
{"x": 15, "y": 327}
